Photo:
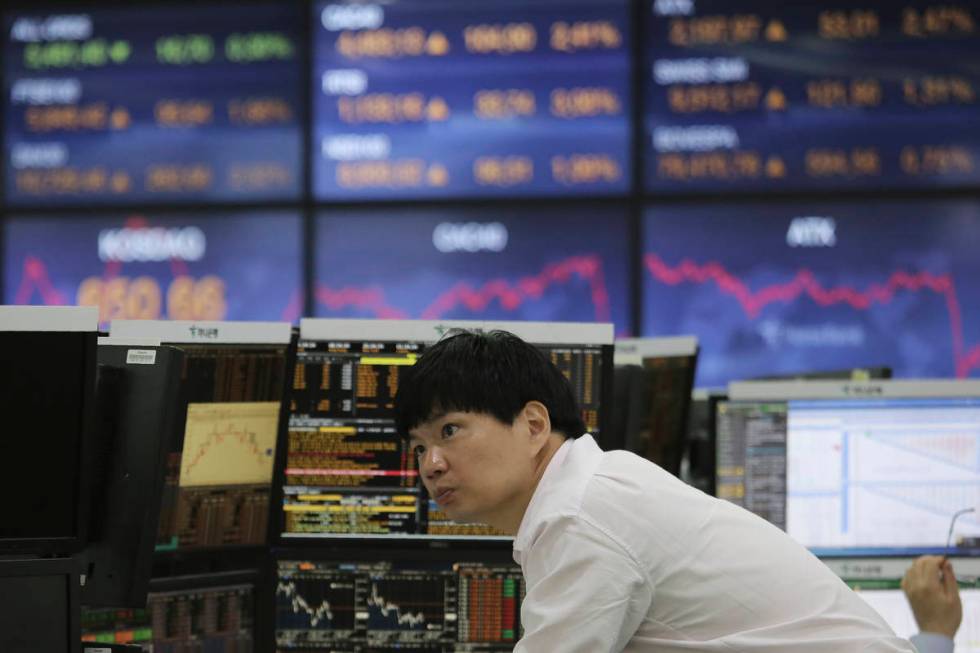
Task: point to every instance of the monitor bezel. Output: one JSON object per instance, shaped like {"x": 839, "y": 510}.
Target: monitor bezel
{"x": 129, "y": 589}
{"x": 632, "y": 351}
{"x": 881, "y": 389}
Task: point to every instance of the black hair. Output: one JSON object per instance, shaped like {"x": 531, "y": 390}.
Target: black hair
{"x": 494, "y": 373}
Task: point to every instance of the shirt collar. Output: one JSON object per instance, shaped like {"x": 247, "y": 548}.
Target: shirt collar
{"x": 573, "y": 463}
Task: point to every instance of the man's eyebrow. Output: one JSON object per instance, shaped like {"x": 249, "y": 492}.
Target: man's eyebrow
{"x": 435, "y": 416}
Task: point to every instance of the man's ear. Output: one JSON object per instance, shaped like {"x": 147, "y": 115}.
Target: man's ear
{"x": 538, "y": 422}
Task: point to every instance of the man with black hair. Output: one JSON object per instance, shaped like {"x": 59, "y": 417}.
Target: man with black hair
{"x": 617, "y": 554}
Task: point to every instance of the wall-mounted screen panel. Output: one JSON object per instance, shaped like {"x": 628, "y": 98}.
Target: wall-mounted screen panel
{"x": 419, "y": 98}
{"x": 156, "y": 104}
{"x": 760, "y": 95}
{"x": 508, "y": 264}
{"x": 802, "y": 287}
{"x": 224, "y": 266}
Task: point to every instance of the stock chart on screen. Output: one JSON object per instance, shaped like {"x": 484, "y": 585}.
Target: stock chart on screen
{"x": 226, "y": 266}
{"x": 197, "y": 102}
{"x": 428, "y": 606}
{"x": 218, "y": 473}
{"x": 498, "y": 265}
{"x": 892, "y": 473}
{"x": 794, "y": 287}
{"x": 220, "y": 459}
{"x": 831, "y": 95}
{"x": 415, "y": 98}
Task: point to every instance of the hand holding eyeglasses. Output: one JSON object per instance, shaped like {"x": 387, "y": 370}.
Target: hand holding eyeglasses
{"x": 934, "y": 596}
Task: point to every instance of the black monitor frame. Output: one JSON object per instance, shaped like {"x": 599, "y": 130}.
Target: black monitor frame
{"x": 638, "y": 372}
{"x": 706, "y": 448}
{"x": 119, "y": 558}
{"x": 70, "y": 544}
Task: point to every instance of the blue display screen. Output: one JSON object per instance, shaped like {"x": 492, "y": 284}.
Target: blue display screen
{"x": 155, "y": 104}
{"x": 438, "y": 98}
{"x": 786, "y": 288}
{"x": 474, "y": 264}
{"x": 219, "y": 266}
{"x": 830, "y": 95}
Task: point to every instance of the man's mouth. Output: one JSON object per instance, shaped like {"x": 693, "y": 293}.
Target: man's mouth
{"x": 443, "y": 496}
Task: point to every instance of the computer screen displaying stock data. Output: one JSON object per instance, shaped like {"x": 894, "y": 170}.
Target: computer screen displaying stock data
{"x": 470, "y": 604}
{"x": 863, "y": 468}
{"x": 344, "y": 471}
{"x": 220, "y": 460}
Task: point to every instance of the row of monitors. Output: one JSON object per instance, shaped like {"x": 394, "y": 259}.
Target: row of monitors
{"x": 232, "y": 432}
{"x": 897, "y": 458}
{"x": 414, "y": 99}
{"x": 353, "y": 606}
{"x": 293, "y": 443}
{"x": 768, "y": 289}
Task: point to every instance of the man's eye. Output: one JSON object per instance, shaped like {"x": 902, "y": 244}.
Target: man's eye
{"x": 449, "y": 430}
{"x": 418, "y": 450}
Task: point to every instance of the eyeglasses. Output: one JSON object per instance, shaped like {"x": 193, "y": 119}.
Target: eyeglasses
{"x": 952, "y": 523}
{"x": 949, "y": 542}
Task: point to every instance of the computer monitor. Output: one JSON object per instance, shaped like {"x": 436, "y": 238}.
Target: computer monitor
{"x": 233, "y": 391}
{"x": 344, "y": 472}
{"x": 137, "y": 397}
{"x": 856, "y": 468}
{"x": 207, "y": 612}
{"x": 39, "y": 606}
{"x": 702, "y": 438}
{"x": 652, "y": 386}
{"x": 432, "y": 601}
{"x": 47, "y": 391}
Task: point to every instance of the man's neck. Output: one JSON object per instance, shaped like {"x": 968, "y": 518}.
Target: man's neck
{"x": 510, "y": 521}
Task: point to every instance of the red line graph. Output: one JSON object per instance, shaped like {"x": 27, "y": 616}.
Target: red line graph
{"x": 805, "y": 283}
{"x": 510, "y": 295}
{"x": 35, "y": 278}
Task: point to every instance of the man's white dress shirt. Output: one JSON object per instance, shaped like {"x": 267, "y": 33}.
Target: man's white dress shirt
{"x": 618, "y": 555}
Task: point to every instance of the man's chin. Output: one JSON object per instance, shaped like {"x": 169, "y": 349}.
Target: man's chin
{"x": 460, "y": 516}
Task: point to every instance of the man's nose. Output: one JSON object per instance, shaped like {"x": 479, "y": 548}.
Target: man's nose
{"x": 432, "y": 465}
